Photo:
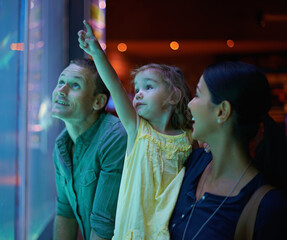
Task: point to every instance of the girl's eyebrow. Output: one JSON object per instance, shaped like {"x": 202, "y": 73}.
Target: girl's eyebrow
{"x": 151, "y": 79}
{"x": 147, "y": 80}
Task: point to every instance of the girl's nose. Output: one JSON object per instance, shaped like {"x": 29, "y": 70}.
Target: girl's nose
{"x": 139, "y": 95}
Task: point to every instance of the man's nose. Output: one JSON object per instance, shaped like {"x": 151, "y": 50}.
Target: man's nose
{"x": 63, "y": 90}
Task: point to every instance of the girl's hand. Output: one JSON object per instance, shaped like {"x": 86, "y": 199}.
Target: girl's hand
{"x": 87, "y": 40}
{"x": 206, "y": 147}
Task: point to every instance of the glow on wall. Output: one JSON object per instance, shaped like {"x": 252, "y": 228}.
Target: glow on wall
{"x": 98, "y": 20}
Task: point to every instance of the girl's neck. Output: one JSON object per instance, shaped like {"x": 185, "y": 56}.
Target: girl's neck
{"x": 164, "y": 127}
{"x": 163, "y": 124}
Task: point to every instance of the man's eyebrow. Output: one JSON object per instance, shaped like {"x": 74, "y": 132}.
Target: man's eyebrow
{"x": 74, "y": 77}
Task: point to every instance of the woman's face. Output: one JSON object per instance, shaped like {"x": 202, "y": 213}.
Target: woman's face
{"x": 203, "y": 112}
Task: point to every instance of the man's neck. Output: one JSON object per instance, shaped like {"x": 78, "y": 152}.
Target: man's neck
{"x": 77, "y": 128}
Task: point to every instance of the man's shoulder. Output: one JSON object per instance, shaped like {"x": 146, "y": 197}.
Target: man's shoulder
{"x": 110, "y": 124}
{"x": 111, "y": 121}
{"x": 110, "y": 118}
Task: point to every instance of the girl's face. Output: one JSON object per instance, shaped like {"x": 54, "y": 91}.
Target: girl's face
{"x": 150, "y": 94}
{"x": 203, "y": 112}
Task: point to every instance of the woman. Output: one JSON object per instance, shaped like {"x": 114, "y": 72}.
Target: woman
{"x": 232, "y": 100}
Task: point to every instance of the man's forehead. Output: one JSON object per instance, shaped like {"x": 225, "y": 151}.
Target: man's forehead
{"x": 75, "y": 71}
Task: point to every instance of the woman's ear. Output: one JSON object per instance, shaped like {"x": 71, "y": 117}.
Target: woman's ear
{"x": 100, "y": 101}
{"x": 224, "y": 111}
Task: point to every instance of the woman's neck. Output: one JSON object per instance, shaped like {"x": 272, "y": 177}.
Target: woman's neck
{"x": 229, "y": 158}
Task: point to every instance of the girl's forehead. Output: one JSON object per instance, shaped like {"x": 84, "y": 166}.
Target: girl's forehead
{"x": 148, "y": 74}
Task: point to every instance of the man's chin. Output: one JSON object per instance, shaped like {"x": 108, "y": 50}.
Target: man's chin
{"x": 58, "y": 115}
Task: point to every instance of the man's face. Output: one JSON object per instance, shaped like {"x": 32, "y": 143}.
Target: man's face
{"x": 73, "y": 97}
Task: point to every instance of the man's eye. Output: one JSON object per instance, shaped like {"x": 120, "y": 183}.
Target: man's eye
{"x": 61, "y": 83}
{"x": 75, "y": 85}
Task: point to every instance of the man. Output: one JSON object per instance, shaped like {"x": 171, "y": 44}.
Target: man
{"x": 88, "y": 154}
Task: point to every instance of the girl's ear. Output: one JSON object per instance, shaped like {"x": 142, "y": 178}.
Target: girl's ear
{"x": 224, "y": 111}
{"x": 176, "y": 97}
{"x": 100, "y": 101}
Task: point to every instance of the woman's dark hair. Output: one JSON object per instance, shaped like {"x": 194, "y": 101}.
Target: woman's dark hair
{"x": 247, "y": 89}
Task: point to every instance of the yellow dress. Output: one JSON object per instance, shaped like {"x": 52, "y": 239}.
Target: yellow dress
{"x": 152, "y": 176}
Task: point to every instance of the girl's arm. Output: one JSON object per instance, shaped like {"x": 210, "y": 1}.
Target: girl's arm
{"x": 123, "y": 105}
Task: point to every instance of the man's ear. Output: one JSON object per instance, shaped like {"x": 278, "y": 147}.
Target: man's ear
{"x": 175, "y": 97}
{"x": 100, "y": 101}
{"x": 224, "y": 111}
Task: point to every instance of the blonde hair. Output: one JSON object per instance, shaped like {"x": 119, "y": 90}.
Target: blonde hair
{"x": 174, "y": 78}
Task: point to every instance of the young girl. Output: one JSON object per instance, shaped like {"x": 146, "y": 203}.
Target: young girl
{"x": 158, "y": 126}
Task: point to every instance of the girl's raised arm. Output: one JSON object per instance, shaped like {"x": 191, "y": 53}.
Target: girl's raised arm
{"x": 123, "y": 105}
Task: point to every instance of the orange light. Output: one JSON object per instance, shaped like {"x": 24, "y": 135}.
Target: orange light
{"x": 174, "y": 45}
{"x": 262, "y": 23}
{"x": 17, "y": 46}
{"x": 122, "y": 47}
{"x": 230, "y": 43}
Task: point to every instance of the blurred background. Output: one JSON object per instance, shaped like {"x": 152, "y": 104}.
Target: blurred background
{"x": 38, "y": 38}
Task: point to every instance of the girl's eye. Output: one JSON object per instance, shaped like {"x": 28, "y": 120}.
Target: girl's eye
{"x": 149, "y": 87}
{"x": 136, "y": 90}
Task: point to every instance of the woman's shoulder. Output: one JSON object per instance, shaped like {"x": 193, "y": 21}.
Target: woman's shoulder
{"x": 271, "y": 216}
{"x": 197, "y": 161}
{"x": 198, "y": 157}
{"x": 274, "y": 200}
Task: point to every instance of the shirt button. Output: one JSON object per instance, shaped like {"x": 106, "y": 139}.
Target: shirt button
{"x": 203, "y": 197}
{"x": 182, "y": 216}
{"x": 173, "y": 225}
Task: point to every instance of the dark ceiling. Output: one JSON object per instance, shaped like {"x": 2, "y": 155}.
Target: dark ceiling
{"x": 196, "y": 20}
